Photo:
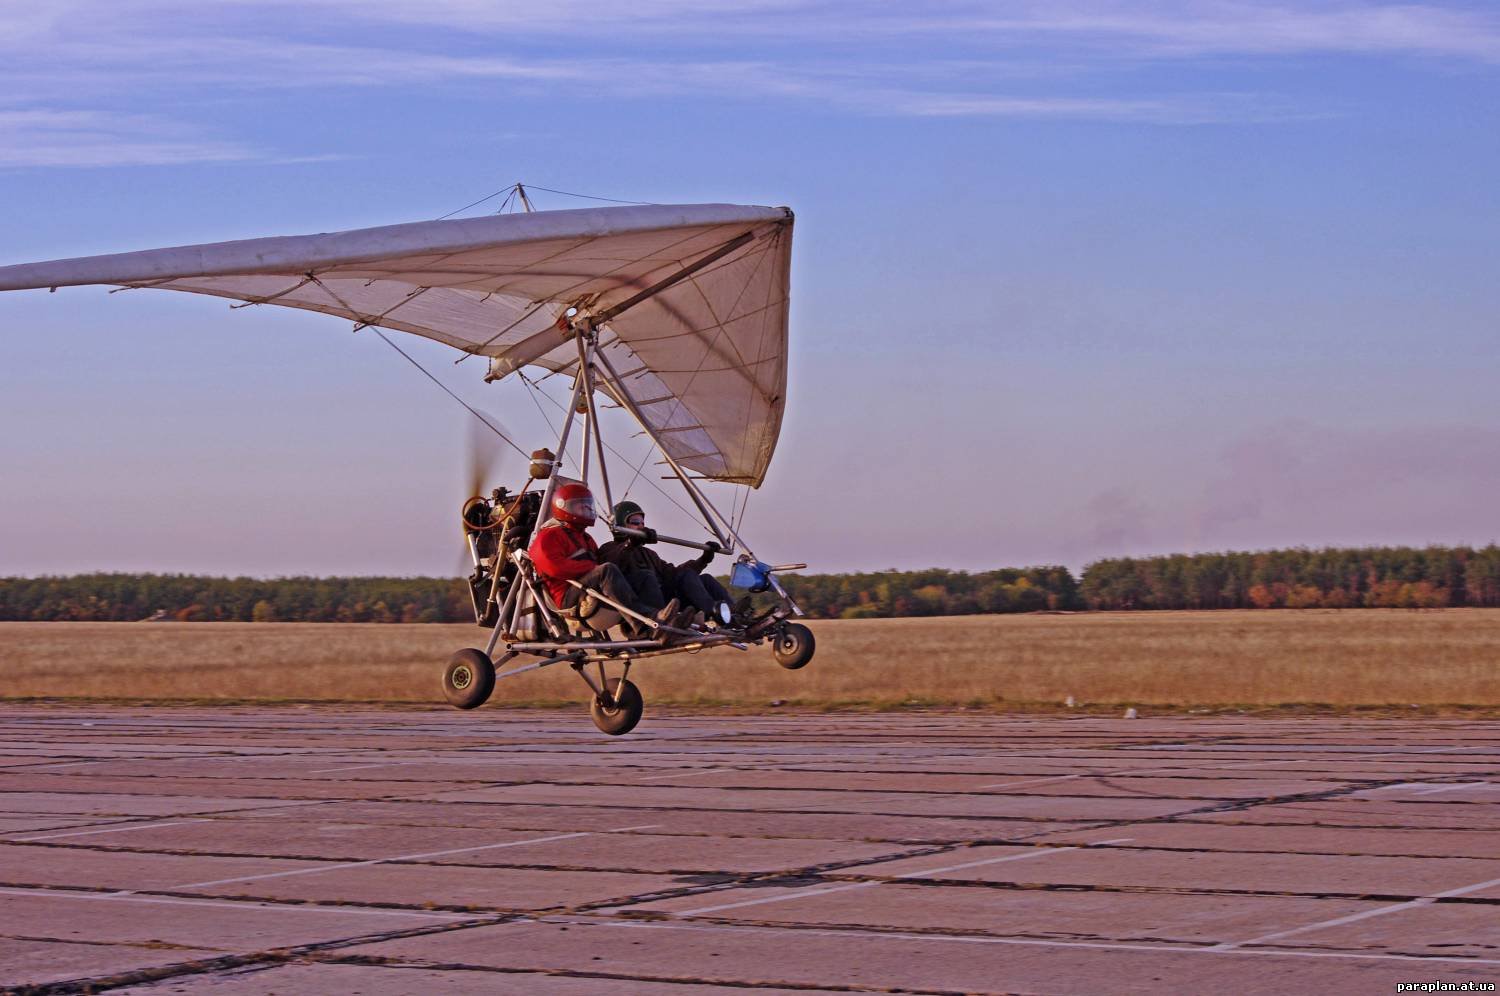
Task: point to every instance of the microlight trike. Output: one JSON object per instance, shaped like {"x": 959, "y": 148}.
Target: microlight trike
{"x": 676, "y": 315}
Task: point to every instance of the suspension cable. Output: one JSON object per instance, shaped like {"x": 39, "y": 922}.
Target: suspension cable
{"x": 486, "y": 197}
{"x": 518, "y": 189}
{"x": 744, "y": 507}
{"x": 471, "y": 409}
{"x": 651, "y": 452}
{"x": 532, "y": 392}
{"x": 659, "y": 489}
{"x": 587, "y": 197}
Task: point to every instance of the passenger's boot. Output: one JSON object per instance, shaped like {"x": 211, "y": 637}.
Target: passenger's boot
{"x": 742, "y": 610}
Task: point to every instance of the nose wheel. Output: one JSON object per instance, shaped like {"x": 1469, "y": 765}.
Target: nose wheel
{"x": 794, "y": 646}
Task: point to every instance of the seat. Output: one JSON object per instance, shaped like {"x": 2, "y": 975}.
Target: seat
{"x": 587, "y": 617}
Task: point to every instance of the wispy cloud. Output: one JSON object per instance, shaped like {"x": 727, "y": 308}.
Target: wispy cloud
{"x": 882, "y": 88}
{"x": 1180, "y": 109}
{"x": 1185, "y": 28}
{"x": 44, "y": 137}
{"x": 1025, "y": 59}
{"x": 1137, "y": 28}
{"x": 1159, "y": 28}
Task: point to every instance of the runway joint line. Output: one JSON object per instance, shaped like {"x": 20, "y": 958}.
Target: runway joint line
{"x": 111, "y": 829}
{"x": 1363, "y": 915}
{"x": 811, "y": 891}
{"x": 409, "y": 857}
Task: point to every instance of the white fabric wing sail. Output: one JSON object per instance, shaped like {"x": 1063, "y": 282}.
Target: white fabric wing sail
{"x": 692, "y": 300}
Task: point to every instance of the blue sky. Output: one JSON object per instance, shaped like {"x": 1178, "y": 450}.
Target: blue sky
{"x": 1072, "y": 279}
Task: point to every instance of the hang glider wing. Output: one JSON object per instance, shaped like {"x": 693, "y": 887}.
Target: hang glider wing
{"x": 702, "y": 356}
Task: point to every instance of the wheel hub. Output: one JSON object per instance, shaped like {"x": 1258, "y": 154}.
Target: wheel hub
{"x": 462, "y": 678}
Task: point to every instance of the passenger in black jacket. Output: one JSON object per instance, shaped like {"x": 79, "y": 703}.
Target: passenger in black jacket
{"x": 655, "y": 579}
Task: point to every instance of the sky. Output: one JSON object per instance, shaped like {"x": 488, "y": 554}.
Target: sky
{"x": 1071, "y": 279}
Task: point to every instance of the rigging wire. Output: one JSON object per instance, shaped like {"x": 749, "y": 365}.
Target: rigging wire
{"x": 513, "y": 192}
{"x": 744, "y": 507}
{"x": 709, "y": 528}
{"x": 734, "y": 504}
{"x": 546, "y": 300}
{"x": 519, "y": 188}
{"x": 587, "y": 197}
{"x": 651, "y": 452}
{"x": 486, "y": 197}
{"x": 533, "y": 391}
{"x": 475, "y": 350}
{"x": 659, "y": 490}
{"x": 472, "y": 410}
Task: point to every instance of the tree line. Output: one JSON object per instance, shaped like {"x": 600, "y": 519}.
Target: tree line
{"x": 934, "y": 592}
{"x": 192, "y": 598}
{"x": 1370, "y": 577}
{"x": 1378, "y": 577}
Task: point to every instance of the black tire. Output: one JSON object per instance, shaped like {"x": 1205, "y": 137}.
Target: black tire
{"x": 794, "y": 646}
{"x": 469, "y": 679}
{"x": 619, "y": 719}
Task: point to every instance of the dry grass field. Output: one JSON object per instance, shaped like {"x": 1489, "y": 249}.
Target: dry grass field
{"x": 1349, "y": 658}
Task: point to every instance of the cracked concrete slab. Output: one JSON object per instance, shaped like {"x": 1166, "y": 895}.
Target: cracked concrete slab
{"x": 341, "y": 848}
{"x": 1059, "y": 914}
{"x": 1126, "y": 865}
{"x": 41, "y": 960}
{"x": 756, "y": 955}
{"x": 325, "y": 977}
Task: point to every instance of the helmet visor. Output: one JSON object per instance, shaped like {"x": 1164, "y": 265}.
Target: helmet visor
{"x": 579, "y": 508}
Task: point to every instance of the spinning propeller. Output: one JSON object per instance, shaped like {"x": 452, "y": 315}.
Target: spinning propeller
{"x": 485, "y": 455}
{"x": 486, "y": 450}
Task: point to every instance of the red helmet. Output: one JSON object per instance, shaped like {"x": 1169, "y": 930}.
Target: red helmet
{"x": 574, "y": 504}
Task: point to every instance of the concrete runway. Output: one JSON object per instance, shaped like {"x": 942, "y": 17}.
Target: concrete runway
{"x": 373, "y": 850}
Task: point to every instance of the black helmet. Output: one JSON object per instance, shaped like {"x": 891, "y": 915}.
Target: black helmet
{"x": 625, "y": 509}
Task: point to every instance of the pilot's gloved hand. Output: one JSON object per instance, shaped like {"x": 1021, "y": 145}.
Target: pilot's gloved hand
{"x": 712, "y": 549}
{"x": 650, "y": 536}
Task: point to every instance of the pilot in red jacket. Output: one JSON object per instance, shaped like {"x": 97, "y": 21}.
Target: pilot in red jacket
{"x": 562, "y": 550}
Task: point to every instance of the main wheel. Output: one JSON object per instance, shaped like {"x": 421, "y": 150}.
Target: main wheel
{"x": 469, "y": 679}
{"x": 794, "y": 646}
{"x": 625, "y": 711}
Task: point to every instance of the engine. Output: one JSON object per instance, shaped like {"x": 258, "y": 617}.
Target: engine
{"x": 493, "y": 527}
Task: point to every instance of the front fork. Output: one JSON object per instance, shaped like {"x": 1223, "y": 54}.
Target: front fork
{"x": 601, "y": 688}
